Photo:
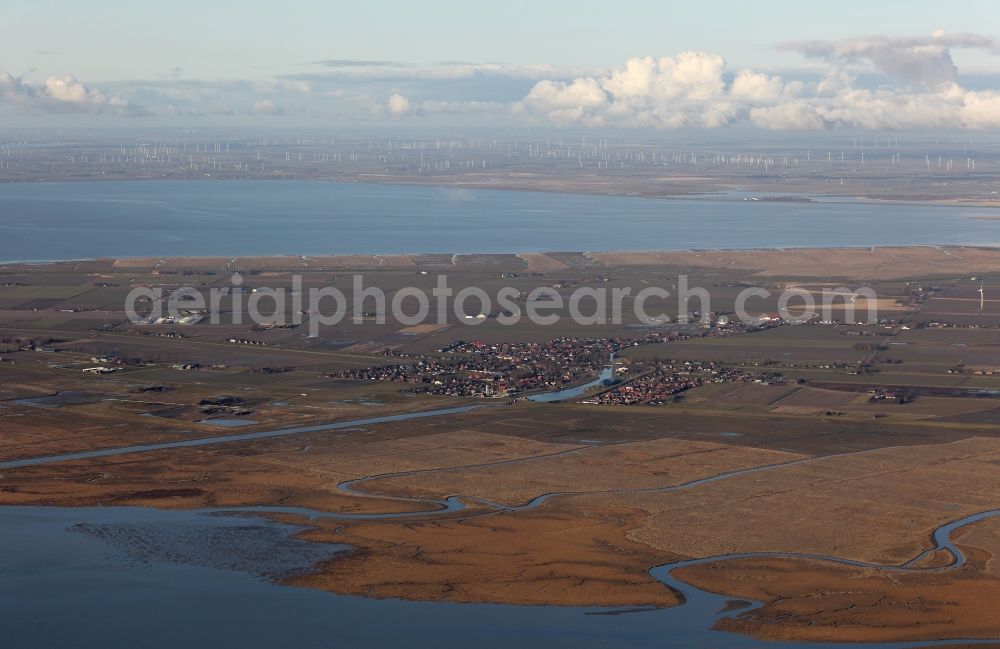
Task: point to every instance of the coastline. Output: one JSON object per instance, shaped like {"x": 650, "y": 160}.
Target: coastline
{"x": 764, "y": 195}
{"x": 864, "y": 263}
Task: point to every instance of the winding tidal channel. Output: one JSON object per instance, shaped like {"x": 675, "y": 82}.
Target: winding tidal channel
{"x": 129, "y": 576}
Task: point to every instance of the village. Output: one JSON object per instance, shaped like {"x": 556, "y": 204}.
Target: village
{"x": 666, "y": 382}
{"x": 479, "y": 369}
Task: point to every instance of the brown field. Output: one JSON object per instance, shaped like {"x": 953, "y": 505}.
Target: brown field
{"x": 812, "y": 399}
{"x": 530, "y": 558}
{"x": 635, "y": 465}
{"x": 539, "y": 263}
{"x": 825, "y": 602}
{"x": 423, "y": 329}
{"x": 738, "y": 394}
{"x": 878, "y": 263}
{"x": 893, "y": 497}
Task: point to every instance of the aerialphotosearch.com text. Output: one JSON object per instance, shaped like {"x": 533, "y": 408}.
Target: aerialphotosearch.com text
{"x": 544, "y": 305}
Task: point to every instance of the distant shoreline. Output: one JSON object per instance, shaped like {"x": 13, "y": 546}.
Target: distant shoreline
{"x": 870, "y": 263}
{"x": 379, "y": 257}
{"x": 714, "y": 193}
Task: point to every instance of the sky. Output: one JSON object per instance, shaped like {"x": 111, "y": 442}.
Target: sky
{"x": 631, "y": 64}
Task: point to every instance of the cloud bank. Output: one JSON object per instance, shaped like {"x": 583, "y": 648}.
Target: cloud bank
{"x": 62, "y": 94}
{"x": 399, "y": 106}
{"x": 874, "y": 82}
{"x": 693, "y": 89}
{"x": 923, "y": 60}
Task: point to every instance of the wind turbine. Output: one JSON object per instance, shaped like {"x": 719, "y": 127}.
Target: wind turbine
{"x": 981, "y": 297}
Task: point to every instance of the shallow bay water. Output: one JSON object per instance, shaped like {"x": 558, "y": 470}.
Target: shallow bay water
{"x": 55, "y": 221}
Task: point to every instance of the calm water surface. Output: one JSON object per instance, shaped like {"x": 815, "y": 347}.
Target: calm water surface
{"x": 46, "y": 221}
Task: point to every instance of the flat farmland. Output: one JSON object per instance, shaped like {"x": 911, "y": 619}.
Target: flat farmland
{"x": 636, "y": 465}
{"x": 737, "y": 395}
{"x": 800, "y": 345}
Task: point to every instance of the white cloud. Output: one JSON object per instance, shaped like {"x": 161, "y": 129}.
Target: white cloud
{"x": 797, "y": 115}
{"x": 756, "y": 86}
{"x": 672, "y": 92}
{"x": 693, "y": 89}
{"x": 397, "y": 106}
{"x": 61, "y": 94}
